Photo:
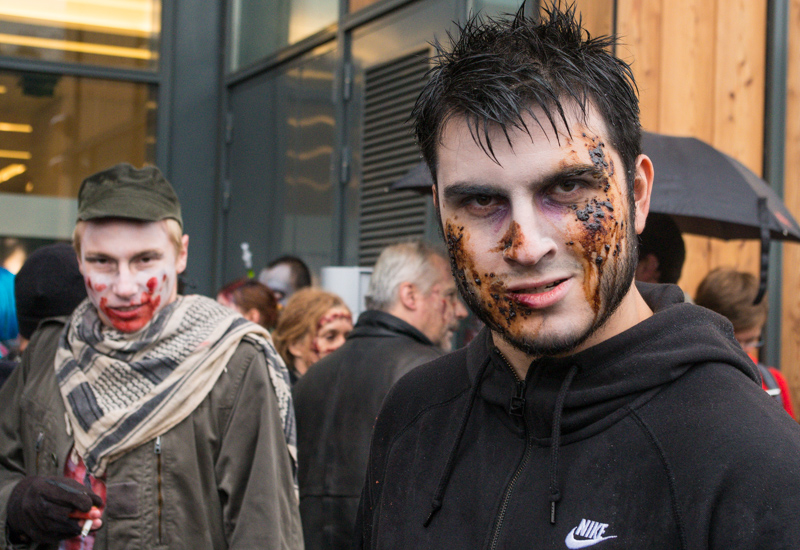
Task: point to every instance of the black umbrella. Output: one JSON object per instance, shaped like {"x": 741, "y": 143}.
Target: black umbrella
{"x": 707, "y": 193}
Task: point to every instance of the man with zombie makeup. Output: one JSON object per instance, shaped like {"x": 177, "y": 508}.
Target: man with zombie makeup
{"x": 146, "y": 419}
{"x": 413, "y": 309}
{"x": 592, "y": 411}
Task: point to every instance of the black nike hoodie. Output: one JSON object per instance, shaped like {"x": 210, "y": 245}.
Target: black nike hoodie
{"x": 660, "y": 437}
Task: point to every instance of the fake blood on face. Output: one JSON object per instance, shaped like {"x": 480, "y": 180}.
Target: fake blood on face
{"x": 599, "y": 226}
{"x": 131, "y": 319}
{"x": 484, "y": 292}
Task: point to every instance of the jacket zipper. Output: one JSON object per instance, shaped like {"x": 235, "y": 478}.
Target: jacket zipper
{"x": 157, "y": 451}
{"x": 516, "y": 408}
{"x": 39, "y": 441}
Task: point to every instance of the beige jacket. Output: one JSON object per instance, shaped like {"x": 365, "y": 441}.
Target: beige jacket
{"x": 220, "y": 479}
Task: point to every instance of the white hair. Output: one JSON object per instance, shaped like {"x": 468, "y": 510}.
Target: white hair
{"x": 407, "y": 262}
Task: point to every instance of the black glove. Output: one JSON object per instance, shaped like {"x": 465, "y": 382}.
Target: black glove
{"x": 39, "y": 508}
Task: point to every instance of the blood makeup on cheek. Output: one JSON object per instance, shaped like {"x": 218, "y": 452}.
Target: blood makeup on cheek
{"x": 139, "y": 312}
{"x": 598, "y": 229}
{"x": 485, "y": 293}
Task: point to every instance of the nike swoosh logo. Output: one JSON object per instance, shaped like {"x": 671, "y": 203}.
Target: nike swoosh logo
{"x": 573, "y": 543}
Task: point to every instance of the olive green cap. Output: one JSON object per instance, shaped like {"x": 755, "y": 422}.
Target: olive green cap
{"x": 123, "y": 191}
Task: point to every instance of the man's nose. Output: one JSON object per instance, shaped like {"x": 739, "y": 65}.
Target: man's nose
{"x": 125, "y": 284}
{"x": 527, "y": 241}
{"x": 460, "y": 310}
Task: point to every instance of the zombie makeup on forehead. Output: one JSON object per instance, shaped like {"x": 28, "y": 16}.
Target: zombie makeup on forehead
{"x": 334, "y": 317}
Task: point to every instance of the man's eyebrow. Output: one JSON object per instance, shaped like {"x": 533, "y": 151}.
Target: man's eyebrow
{"x": 91, "y": 254}
{"x": 152, "y": 252}
{"x": 470, "y": 189}
{"x": 574, "y": 171}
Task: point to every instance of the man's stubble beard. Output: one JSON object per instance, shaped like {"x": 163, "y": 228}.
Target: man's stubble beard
{"x": 614, "y": 286}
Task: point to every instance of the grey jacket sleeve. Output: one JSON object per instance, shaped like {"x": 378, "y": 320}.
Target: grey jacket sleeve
{"x": 12, "y": 464}
{"x": 253, "y": 468}
{"x": 24, "y": 418}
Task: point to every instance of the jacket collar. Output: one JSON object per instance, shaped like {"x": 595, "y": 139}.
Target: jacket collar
{"x": 379, "y": 323}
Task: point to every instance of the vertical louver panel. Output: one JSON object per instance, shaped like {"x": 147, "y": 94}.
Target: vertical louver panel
{"x": 386, "y": 217}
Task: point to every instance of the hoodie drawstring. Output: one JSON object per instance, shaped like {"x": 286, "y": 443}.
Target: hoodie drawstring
{"x": 436, "y": 503}
{"x": 555, "y": 442}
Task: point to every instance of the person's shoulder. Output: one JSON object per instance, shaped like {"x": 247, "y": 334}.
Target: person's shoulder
{"x": 431, "y": 384}
{"x": 246, "y": 368}
{"x": 715, "y": 410}
{"x": 48, "y": 328}
{"x": 44, "y": 340}
{"x": 320, "y": 375}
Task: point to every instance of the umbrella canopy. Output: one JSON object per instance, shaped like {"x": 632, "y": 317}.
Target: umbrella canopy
{"x": 709, "y": 193}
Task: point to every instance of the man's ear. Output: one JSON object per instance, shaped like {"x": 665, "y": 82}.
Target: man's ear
{"x": 408, "y": 296}
{"x": 642, "y": 189}
{"x": 253, "y": 315}
{"x": 183, "y": 257}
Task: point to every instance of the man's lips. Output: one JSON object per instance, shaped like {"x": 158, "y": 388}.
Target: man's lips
{"x": 127, "y": 312}
{"x": 539, "y": 295}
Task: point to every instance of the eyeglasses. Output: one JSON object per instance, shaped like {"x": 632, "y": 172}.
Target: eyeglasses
{"x": 754, "y": 343}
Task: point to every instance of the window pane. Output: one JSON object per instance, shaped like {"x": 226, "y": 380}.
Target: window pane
{"x": 54, "y": 131}
{"x": 305, "y": 93}
{"x": 261, "y": 27}
{"x": 97, "y": 32}
{"x": 495, "y": 8}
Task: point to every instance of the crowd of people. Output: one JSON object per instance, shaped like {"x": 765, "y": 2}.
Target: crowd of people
{"x": 596, "y": 405}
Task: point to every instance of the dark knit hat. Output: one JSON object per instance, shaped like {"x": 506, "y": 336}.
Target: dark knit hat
{"x": 123, "y": 191}
{"x": 49, "y": 284}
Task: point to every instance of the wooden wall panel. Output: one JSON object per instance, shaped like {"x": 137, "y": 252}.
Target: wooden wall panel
{"x": 639, "y": 27}
{"x": 790, "y": 323}
{"x": 700, "y": 69}
{"x": 598, "y": 16}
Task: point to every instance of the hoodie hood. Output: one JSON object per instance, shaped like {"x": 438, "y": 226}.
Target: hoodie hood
{"x": 373, "y": 323}
{"x": 617, "y": 373}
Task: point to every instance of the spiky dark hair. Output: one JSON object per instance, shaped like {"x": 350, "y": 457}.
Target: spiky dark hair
{"x": 496, "y": 70}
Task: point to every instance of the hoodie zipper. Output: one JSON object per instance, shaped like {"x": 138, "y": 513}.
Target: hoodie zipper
{"x": 516, "y": 408}
{"x": 157, "y": 451}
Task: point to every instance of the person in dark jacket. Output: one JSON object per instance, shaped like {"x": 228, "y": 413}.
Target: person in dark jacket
{"x": 49, "y": 284}
{"x": 413, "y": 309}
{"x": 593, "y": 411}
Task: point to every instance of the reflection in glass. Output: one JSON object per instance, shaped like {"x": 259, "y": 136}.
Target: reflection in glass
{"x": 261, "y": 27}
{"x": 119, "y": 33}
{"x": 54, "y": 131}
{"x": 304, "y": 95}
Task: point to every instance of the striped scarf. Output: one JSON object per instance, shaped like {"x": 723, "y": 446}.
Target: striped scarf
{"x": 122, "y": 390}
